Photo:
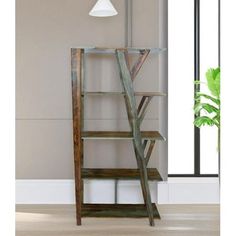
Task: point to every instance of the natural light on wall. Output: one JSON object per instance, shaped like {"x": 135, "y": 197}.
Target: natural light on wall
{"x": 180, "y": 91}
{"x": 208, "y": 58}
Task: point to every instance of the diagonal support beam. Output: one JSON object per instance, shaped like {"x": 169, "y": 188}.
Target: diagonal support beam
{"x": 144, "y": 144}
{"x": 143, "y": 99}
{"x": 130, "y": 102}
{"x": 142, "y": 108}
{"x": 149, "y": 152}
{"x": 139, "y": 63}
{"x": 127, "y": 59}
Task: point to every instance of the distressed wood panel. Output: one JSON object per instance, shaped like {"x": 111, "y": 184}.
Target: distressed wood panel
{"x": 76, "y": 74}
{"x": 120, "y": 135}
{"x": 118, "y": 210}
{"x": 122, "y": 93}
{"x": 88, "y": 173}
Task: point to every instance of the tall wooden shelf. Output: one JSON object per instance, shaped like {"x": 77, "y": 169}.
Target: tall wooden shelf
{"x": 143, "y": 141}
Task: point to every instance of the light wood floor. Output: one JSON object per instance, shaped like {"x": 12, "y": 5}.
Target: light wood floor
{"x": 59, "y": 220}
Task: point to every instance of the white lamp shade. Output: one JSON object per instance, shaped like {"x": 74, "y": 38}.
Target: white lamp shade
{"x": 103, "y": 8}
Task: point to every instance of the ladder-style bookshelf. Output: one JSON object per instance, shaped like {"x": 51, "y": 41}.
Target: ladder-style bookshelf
{"x": 143, "y": 141}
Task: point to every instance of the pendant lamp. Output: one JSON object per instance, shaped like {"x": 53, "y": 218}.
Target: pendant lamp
{"x": 103, "y": 8}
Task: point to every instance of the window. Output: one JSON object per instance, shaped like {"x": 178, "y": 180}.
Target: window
{"x": 208, "y": 58}
{"x": 180, "y": 91}
{"x": 193, "y": 47}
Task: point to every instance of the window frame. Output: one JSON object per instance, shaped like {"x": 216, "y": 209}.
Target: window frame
{"x": 197, "y": 133}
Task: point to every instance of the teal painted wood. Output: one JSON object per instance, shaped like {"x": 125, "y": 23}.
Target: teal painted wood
{"x": 131, "y": 50}
{"x": 130, "y": 102}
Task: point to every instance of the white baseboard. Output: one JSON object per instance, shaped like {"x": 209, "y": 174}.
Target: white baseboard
{"x": 189, "y": 191}
{"x": 175, "y": 191}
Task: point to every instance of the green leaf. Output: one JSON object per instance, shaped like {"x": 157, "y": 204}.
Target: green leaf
{"x": 217, "y": 119}
{"x": 217, "y": 84}
{"x": 212, "y": 104}
{"x": 213, "y": 81}
{"x": 205, "y": 106}
{"x": 204, "y": 120}
{"x": 199, "y": 95}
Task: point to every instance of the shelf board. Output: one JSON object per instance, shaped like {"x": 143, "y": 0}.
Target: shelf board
{"x": 102, "y": 50}
{"x": 126, "y": 174}
{"x": 150, "y": 135}
{"x": 118, "y": 210}
{"x": 122, "y": 93}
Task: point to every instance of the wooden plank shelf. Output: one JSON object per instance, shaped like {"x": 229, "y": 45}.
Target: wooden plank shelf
{"x": 126, "y": 174}
{"x": 150, "y": 135}
{"x": 151, "y": 94}
{"x": 131, "y": 50}
{"x": 118, "y": 210}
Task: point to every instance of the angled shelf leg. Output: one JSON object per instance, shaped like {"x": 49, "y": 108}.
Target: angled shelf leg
{"x": 127, "y": 81}
{"x": 142, "y": 108}
{"x": 142, "y": 57}
{"x": 149, "y": 152}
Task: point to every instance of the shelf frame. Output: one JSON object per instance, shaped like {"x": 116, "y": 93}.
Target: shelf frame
{"x": 141, "y": 139}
